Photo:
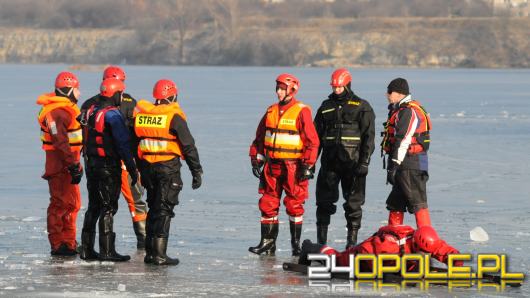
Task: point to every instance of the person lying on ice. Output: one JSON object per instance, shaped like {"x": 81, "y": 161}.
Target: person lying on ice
{"x": 391, "y": 239}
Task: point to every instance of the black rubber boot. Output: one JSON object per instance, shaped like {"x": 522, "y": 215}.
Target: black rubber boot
{"x": 267, "y": 245}
{"x": 352, "y": 237}
{"x": 308, "y": 248}
{"x": 63, "y": 251}
{"x": 87, "y": 252}
{"x": 159, "y": 253}
{"x": 148, "y": 259}
{"x": 296, "y": 232}
{"x": 322, "y": 234}
{"x": 107, "y": 250}
{"x": 139, "y": 230}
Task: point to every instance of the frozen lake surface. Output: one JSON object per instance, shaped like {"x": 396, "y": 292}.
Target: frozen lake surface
{"x": 479, "y": 176}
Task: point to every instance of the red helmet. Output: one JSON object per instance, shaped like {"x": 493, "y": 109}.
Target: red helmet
{"x": 164, "y": 89}
{"x": 66, "y": 79}
{"x": 340, "y": 78}
{"x": 292, "y": 83}
{"x": 110, "y": 86}
{"x": 115, "y": 72}
{"x": 425, "y": 239}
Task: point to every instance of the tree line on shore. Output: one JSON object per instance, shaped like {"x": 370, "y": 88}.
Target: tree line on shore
{"x": 258, "y": 32}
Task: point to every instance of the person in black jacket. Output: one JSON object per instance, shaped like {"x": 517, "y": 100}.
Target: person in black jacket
{"x": 345, "y": 125}
{"x": 107, "y": 145}
{"x": 406, "y": 142}
{"x": 133, "y": 195}
{"x": 164, "y": 139}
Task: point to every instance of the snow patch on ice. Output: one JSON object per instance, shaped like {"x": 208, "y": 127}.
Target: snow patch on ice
{"x": 31, "y": 218}
{"x": 34, "y": 255}
{"x": 339, "y": 241}
{"x": 481, "y": 201}
{"x": 478, "y": 234}
{"x": 461, "y": 114}
{"x": 121, "y": 287}
{"x": 18, "y": 267}
{"x": 522, "y": 234}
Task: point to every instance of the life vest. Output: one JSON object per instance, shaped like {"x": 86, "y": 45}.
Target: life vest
{"x": 421, "y": 137}
{"x": 98, "y": 140}
{"x": 49, "y": 103}
{"x": 282, "y": 138}
{"x": 151, "y": 125}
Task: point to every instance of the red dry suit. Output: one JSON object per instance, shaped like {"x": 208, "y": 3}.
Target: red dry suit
{"x": 394, "y": 239}
{"x": 285, "y": 139}
{"x": 61, "y": 140}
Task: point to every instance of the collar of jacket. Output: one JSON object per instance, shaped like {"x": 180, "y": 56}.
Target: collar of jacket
{"x": 403, "y": 101}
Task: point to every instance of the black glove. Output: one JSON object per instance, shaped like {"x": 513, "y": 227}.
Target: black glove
{"x": 306, "y": 172}
{"x": 256, "y": 167}
{"x": 197, "y": 180}
{"x": 361, "y": 170}
{"x": 76, "y": 171}
{"x": 134, "y": 176}
{"x": 391, "y": 173}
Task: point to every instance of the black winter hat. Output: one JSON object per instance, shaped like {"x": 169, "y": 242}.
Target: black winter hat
{"x": 398, "y": 85}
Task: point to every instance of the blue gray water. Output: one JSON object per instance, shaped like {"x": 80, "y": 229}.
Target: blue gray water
{"x": 479, "y": 175}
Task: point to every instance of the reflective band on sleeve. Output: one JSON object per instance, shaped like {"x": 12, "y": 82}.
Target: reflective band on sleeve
{"x": 403, "y": 241}
{"x": 351, "y": 138}
{"x": 329, "y": 138}
{"x": 296, "y": 219}
{"x": 324, "y": 249}
{"x": 328, "y": 110}
{"x": 53, "y": 128}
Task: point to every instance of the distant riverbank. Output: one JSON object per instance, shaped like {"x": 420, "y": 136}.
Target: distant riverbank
{"x": 366, "y": 42}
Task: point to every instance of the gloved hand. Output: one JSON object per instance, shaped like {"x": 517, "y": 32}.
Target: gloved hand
{"x": 197, "y": 180}
{"x": 76, "y": 171}
{"x": 361, "y": 170}
{"x": 256, "y": 167}
{"x": 391, "y": 173}
{"x": 305, "y": 172}
{"x": 134, "y": 176}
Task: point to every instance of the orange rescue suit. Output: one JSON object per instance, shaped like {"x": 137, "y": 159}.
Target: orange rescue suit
{"x": 282, "y": 138}
{"x": 151, "y": 125}
{"x": 51, "y": 102}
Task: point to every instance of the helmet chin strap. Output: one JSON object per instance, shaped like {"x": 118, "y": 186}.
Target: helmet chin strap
{"x": 168, "y": 100}
{"x": 69, "y": 94}
{"x": 65, "y": 94}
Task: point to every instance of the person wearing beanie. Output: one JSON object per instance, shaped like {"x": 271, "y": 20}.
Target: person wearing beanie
{"x": 406, "y": 141}
{"x": 345, "y": 124}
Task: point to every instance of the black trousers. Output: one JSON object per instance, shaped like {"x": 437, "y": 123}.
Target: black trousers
{"x": 104, "y": 186}
{"x": 163, "y": 183}
{"x": 327, "y": 194}
{"x": 409, "y": 192}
